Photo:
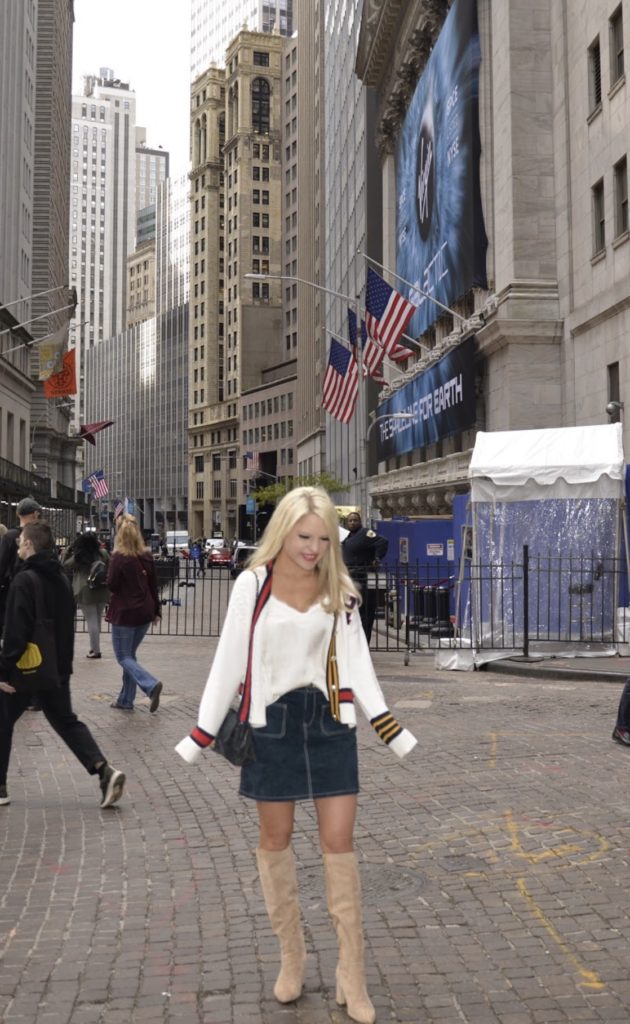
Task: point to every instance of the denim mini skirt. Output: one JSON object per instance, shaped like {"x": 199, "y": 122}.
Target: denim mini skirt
{"x": 302, "y": 753}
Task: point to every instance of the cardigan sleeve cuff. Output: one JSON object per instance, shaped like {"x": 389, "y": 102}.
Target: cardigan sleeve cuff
{"x": 189, "y": 750}
{"x": 403, "y": 743}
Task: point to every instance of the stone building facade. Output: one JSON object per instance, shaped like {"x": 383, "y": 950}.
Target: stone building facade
{"x": 554, "y": 122}
{"x": 236, "y": 324}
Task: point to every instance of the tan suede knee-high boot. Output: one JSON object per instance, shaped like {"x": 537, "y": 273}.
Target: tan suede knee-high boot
{"x": 343, "y": 893}
{"x": 279, "y": 885}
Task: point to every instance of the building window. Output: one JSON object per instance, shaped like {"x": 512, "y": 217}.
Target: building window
{"x": 616, "y": 45}
{"x": 621, "y": 196}
{"x": 260, "y": 105}
{"x": 199, "y": 489}
{"x": 198, "y": 463}
{"x": 261, "y": 59}
{"x": 599, "y": 222}
{"x": 612, "y": 371}
{"x": 216, "y": 488}
{"x": 216, "y": 462}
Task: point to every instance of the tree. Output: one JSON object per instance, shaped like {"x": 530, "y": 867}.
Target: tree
{"x": 271, "y": 494}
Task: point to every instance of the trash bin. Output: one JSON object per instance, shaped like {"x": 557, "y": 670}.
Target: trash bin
{"x": 443, "y": 605}
{"x": 429, "y": 611}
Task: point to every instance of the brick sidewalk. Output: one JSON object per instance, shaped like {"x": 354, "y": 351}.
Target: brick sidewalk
{"x": 493, "y": 862}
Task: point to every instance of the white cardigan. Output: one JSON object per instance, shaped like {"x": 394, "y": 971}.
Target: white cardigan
{"x": 356, "y": 673}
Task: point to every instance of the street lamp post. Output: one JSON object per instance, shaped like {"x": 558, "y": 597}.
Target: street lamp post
{"x": 258, "y": 472}
{"x": 44, "y": 412}
{"x": 373, "y": 422}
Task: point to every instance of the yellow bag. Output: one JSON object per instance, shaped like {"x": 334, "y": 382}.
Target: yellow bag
{"x": 31, "y": 659}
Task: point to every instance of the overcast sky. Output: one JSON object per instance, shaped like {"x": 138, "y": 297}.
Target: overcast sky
{"x": 146, "y": 43}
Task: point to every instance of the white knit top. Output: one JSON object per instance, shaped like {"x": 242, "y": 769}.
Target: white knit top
{"x": 295, "y": 645}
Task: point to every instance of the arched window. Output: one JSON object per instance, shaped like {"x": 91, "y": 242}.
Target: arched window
{"x": 197, "y": 143}
{"x": 260, "y": 105}
{"x": 203, "y": 142}
{"x": 221, "y": 123}
{"x": 233, "y": 110}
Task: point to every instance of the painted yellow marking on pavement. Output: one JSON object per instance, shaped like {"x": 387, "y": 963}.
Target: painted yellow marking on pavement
{"x": 590, "y": 979}
{"x": 410, "y": 704}
{"x": 493, "y": 749}
{"x": 565, "y": 850}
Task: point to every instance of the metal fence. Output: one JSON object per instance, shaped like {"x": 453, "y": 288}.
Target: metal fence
{"x": 542, "y": 600}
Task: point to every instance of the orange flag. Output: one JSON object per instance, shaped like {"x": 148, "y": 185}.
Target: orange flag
{"x": 64, "y": 382}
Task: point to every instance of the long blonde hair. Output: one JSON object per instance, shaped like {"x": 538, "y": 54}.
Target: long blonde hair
{"x": 335, "y": 583}
{"x": 129, "y": 540}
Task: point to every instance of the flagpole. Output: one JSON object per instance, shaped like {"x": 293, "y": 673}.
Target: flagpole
{"x": 414, "y": 287}
{"x": 354, "y": 303}
{"x": 34, "y": 320}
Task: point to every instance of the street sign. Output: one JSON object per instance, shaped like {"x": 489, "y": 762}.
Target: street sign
{"x": 250, "y": 505}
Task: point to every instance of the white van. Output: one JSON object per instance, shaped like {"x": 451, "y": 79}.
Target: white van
{"x": 176, "y": 540}
{"x": 215, "y": 542}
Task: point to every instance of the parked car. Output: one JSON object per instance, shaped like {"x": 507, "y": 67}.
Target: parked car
{"x": 219, "y": 557}
{"x": 240, "y": 557}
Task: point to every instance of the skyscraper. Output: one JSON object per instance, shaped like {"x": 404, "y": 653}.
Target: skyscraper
{"x": 235, "y": 324}
{"x": 35, "y": 75}
{"x": 139, "y": 379}
{"x": 102, "y": 205}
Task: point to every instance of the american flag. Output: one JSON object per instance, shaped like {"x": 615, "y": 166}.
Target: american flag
{"x": 118, "y": 508}
{"x": 373, "y": 351}
{"x": 252, "y": 460}
{"x": 341, "y": 383}
{"x": 387, "y": 313}
{"x": 98, "y": 483}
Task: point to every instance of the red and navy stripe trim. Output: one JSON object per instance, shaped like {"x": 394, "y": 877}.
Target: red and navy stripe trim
{"x": 386, "y": 726}
{"x": 202, "y": 739}
{"x": 346, "y": 697}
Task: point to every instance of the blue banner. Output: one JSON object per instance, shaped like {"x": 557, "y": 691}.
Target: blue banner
{"x": 441, "y": 402}
{"x": 441, "y": 241}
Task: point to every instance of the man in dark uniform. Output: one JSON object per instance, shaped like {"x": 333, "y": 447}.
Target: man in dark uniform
{"x": 363, "y": 549}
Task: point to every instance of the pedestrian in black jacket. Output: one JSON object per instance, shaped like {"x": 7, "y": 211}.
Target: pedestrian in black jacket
{"x": 363, "y": 549}
{"x": 28, "y": 511}
{"x": 36, "y": 550}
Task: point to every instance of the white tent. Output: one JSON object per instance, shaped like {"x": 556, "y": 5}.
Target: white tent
{"x": 564, "y": 462}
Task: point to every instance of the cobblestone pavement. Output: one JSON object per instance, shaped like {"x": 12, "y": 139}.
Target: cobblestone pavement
{"x": 494, "y": 862}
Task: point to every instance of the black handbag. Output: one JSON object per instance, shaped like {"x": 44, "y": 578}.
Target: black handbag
{"x": 234, "y": 740}
{"x": 36, "y": 670}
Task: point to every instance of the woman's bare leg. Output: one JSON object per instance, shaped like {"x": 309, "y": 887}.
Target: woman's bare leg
{"x": 336, "y": 816}
{"x": 275, "y": 820}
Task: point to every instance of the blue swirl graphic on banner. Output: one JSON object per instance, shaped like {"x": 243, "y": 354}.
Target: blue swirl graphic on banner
{"x": 441, "y": 242}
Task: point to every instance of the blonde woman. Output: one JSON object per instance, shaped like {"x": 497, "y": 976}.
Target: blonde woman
{"x": 133, "y": 606}
{"x": 303, "y": 720}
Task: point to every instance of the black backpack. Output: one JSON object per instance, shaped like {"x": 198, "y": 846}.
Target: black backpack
{"x": 97, "y": 574}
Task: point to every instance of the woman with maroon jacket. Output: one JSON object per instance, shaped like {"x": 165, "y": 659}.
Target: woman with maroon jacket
{"x": 134, "y": 605}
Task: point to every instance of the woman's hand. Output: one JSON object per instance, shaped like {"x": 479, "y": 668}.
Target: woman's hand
{"x": 6, "y": 687}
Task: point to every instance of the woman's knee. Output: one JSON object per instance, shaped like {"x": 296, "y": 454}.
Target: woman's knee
{"x": 336, "y": 842}
{"x": 276, "y": 825}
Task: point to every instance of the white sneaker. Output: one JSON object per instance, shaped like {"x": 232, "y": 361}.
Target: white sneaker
{"x": 112, "y": 785}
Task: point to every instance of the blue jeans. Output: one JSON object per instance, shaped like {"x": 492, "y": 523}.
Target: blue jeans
{"x": 623, "y": 712}
{"x": 126, "y": 641}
